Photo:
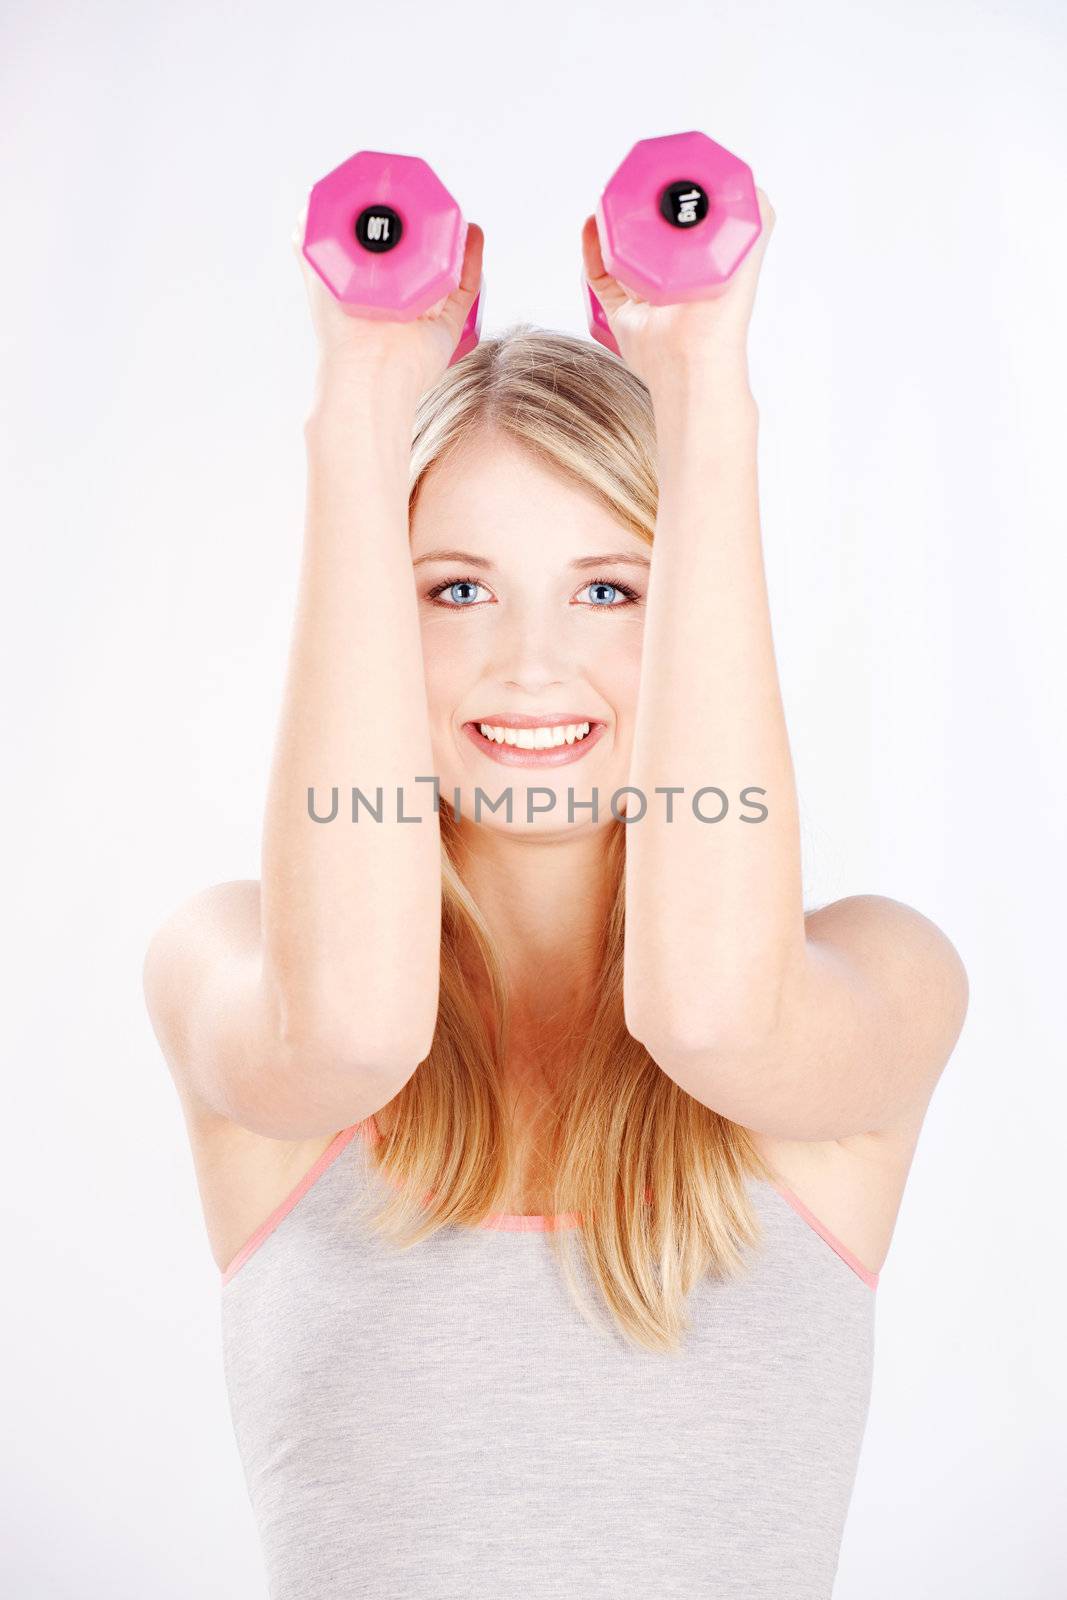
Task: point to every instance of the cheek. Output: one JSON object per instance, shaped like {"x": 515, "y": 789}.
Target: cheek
{"x": 448, "y": 663}
{"x": 618, "y": 666}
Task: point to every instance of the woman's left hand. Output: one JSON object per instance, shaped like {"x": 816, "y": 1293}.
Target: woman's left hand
{"x": 657, "y": 340}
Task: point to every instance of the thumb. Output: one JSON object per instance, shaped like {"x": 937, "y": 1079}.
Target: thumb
{"x": 299, "y": 229}
{"x": 455, "y": 307}
{"x": 607, "y": 289}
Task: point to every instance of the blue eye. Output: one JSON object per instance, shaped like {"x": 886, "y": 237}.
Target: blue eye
{"x": 456, "y": 601}
{"x": 457, "y": 593}
{"x": 618, "y": 594}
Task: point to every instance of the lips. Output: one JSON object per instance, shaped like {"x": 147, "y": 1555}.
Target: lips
{"x": 510, "y": 755}
{"x": 514, "y": 719}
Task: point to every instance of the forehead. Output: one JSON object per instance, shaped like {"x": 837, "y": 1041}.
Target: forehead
{"x": 493, "y": 497}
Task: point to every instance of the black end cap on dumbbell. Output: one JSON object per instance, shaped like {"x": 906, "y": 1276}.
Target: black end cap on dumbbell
{"x": 378, "y": 228}
{"x": 684, "y": 203}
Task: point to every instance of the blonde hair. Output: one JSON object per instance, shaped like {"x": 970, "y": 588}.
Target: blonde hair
{"x": 656, "y": 1180}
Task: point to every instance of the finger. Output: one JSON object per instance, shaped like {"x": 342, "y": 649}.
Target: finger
{"x": 300, "y": 229}
{"x": 455, "y": 306}
{"x": 592, "y": 258}
{"x": 470, "y": 275}
{"x": 750, "y": 266}
{"x": 608, "y": 290}
{"x": 766, "y": 211}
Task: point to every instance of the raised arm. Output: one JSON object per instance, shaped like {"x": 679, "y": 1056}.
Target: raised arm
{"x": 298, "y": 1005}
{"x": 802, "y": 1027}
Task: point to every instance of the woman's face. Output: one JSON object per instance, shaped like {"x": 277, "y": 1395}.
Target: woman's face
{"x": 532, "y": 601}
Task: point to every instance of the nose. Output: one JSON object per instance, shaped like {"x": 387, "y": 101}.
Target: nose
{"x": 533, "y": 653}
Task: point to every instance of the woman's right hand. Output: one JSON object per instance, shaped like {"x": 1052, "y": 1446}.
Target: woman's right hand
{"x": 416, "y": 352}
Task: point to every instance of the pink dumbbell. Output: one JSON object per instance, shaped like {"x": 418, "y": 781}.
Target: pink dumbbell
{"x": 675, "y": 220}
{"x": 387, "y": 239}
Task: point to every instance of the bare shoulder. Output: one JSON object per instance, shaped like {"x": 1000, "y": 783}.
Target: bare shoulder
{"x": 893, "y": 940}
{"x": 224, "y": 916}
{"x": 215, "y": 929}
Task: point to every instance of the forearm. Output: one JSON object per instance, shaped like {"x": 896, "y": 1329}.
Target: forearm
{"x": 351, "y": 909}
{"x": 714, "y": 909}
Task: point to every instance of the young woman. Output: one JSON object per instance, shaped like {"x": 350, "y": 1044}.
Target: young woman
{"x": 548, "y": 1147}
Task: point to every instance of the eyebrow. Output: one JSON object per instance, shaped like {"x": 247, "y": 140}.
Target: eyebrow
{"x": 480, "y": 561}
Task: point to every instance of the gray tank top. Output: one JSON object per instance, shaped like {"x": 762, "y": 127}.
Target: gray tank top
{"x": 442, "y": 1423}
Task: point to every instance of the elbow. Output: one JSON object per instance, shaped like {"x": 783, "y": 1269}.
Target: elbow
{"x": 728, "y": 1079}
{"x": 735, "y": 1071}
{"x": 318, "y": 1072}
{"x": 737, "y": 1010}
{"x": 694, "y": 1057}
{"x": 315, "y": 1085}
{"x": 363, "y": 1039}
{"x": 744, "y": 1027}
{"x": 352, "y": 1052}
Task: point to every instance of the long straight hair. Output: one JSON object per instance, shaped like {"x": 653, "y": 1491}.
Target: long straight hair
{"x": 656, "y": 1181}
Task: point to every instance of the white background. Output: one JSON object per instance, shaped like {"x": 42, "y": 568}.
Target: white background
{"x": 907, "y": 354}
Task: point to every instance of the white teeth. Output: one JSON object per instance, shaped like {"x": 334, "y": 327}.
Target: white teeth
{"x": 535, "y": 738}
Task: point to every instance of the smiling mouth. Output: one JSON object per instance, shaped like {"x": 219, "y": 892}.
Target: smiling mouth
{"x": 540, "y": 737}
{"x": 541, "y": 741}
